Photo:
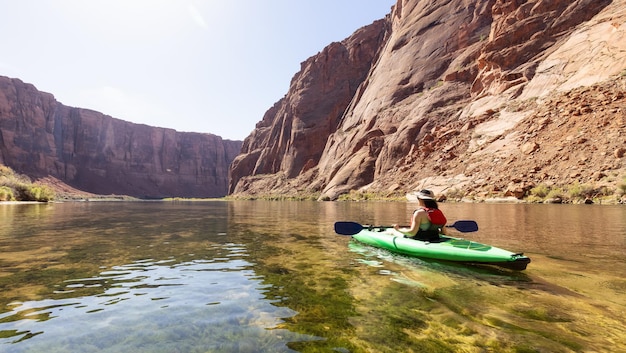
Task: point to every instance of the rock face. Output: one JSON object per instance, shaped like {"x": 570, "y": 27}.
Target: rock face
{"x": 481, "y": 95}
{"x": 292, "y": 135}
{"x": 87, "y": 150}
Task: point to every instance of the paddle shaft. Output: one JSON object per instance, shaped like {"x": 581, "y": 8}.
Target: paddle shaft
{"x": 351, "y": 228}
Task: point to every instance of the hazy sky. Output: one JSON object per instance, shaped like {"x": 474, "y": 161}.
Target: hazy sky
{"x": 191, "y": 65}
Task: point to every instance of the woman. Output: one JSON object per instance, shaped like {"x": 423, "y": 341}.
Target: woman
{"x": 427, "y": 221}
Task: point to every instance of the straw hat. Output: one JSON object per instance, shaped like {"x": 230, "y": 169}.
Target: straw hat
{"x": 425, "y": 195}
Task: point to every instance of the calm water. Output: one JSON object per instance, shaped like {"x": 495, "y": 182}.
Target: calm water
{"x": 256, "y": 276}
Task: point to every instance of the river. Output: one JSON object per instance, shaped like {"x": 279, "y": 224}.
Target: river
{"x": 263, "y": 276}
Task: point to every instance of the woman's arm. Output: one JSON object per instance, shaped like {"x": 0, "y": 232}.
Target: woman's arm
{"x": 415, "y": 223}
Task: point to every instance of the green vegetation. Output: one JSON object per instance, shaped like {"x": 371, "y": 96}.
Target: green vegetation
{"x": 277, "y": 197}
{"x": 622, "y": 187}
{"x": 575, "y": 192}
{"x": 556, "y": 193}
{"x": 541, "y": 191}
{"x": 572, "y": 193}
{"x": 578, "y": 191}
{"x": 16, "y": 187}
{"x": 455, "y": 194}
{"x": 6, "y": 193}
{"x": 184, "y": 199}
{"x": 372, "y": 196}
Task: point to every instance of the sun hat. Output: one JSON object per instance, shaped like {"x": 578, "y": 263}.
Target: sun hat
{"x": 425, "y": 195}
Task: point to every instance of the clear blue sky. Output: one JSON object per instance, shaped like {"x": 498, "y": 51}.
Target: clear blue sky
{"x": 191, "y": 65}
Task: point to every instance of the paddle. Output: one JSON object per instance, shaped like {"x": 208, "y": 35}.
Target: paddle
{"x": 351, "y": 228}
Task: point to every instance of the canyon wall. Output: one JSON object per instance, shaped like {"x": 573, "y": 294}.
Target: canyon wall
{"x": 475, "y": 96}
{"x": 291, "y": 137}
{"x": 96, "y": 153}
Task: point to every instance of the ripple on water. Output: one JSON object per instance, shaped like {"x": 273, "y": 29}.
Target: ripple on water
{"x": 210, "y": 302}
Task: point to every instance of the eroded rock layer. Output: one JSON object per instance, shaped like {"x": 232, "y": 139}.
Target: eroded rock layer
{"x": 93, "y": 152}
{"x": 486, "y": 96}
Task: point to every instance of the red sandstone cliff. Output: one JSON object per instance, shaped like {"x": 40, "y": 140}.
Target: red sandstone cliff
{"x": 291, "y": 137}
{"x": 93, "y": 152}
{"x": 485, "y": 96}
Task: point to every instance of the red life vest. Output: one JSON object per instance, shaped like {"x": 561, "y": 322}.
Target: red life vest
{"x": 435, "y": 216}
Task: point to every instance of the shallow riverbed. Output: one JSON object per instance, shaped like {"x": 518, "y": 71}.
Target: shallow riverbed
{"x": 259, "y": 276}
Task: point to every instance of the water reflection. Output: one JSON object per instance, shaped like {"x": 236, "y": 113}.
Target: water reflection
{"x": 216, "y": 304}
{"x": 188, "y": 288}
{"x": 273, "y": 277}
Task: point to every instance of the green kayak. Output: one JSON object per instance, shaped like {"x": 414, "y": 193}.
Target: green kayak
{"x": 446, "y": 248}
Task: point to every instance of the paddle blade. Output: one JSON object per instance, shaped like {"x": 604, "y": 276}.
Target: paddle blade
{"x": 465, "y": 226}
{"x": 347, "y": 228}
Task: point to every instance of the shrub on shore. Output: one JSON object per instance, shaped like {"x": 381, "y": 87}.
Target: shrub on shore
{"x": 16, "y": 187}
{"x": 575, "y": 192}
